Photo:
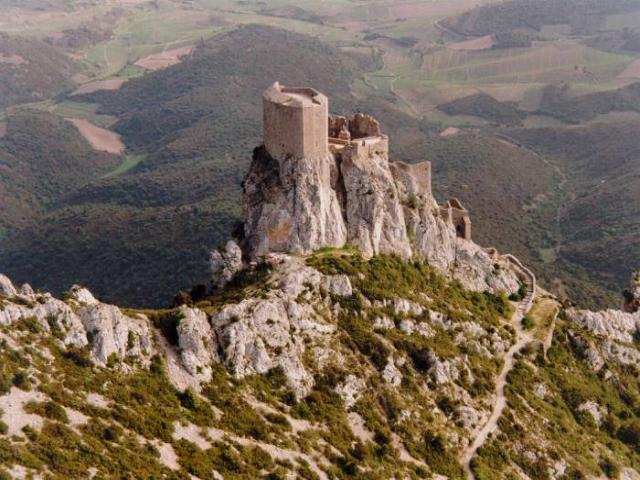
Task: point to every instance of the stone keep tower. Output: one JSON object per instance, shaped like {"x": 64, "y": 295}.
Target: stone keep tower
{"x": 295, "y": 122}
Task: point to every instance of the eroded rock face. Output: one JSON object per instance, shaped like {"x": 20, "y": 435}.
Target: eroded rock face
{"x": 51, "y": 314}
{"x": 614, "y": 324}
{"x": 375, "y": 219}
{"x": 113, "y": 333}
{"x": 289, "y": 206}
{"x": 6, "y": 287}
{"x": 225, "y": 263}
{"x": 197, "y": 342}
{"x": 477, "y": 270}
{"x": 84, "y": 321}
{"x": 259, "y": 334}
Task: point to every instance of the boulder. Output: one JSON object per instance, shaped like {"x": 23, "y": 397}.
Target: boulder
{"x": 338, "y": 285}
{"x": 350, "y": 390}
{"x": 391, "y": 374}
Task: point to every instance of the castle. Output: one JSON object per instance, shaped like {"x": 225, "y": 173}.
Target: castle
{"x": 297, "y": 124}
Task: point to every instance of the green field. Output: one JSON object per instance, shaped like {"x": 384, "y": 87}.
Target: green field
{"x": 128, "y": 162}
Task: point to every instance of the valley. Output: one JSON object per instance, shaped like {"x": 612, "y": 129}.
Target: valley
{"x": 150, "y": 73}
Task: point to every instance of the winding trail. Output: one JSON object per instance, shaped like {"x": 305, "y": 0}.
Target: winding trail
{"x": 522, "y": 338}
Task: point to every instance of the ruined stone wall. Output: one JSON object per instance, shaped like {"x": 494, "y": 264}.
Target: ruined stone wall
{"x": 415, "y": 179}
{"x": 366, "y": 147}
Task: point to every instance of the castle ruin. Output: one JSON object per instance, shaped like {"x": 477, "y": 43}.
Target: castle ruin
{"x": 297, "y": 124}
{"x": 321, "y": 181}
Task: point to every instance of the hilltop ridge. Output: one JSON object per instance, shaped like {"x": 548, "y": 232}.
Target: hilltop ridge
{"x": 354, "y": 331}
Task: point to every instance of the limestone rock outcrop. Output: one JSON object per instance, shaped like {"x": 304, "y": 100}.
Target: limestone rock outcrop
{"x": 84, "y": 321}
{"x": 6, "y": 286}
{"x": 289, "y": 206}
{"x": 197, "y": 343}
{"x": 225, "y": 263}
{"x": 614, "y": 324}
{"x": 259, "y": 334}
{"x": 374, "y": 215}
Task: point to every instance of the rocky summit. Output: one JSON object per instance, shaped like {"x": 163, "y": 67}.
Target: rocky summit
{"x": 353, "y": 329}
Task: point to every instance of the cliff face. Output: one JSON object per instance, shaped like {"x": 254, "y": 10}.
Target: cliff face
{"x": 356, "y": 197}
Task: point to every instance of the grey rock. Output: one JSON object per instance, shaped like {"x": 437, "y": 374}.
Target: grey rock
{"x": 350, "y": 390}
{"x": 114, "y": 333}
{"x": 383, "y": 323}
{"x": 375, "y": 218}
{"x": 468, "y": 417}
{"x": 6, "y": 287}
{"x": 594, "y": 409}
{"x": 197, "y": 342}
{"x": 613, "y": 324}
{"x": 290, "y": 206}
{"x": 259, "y": 334}
{"x": 338, "y": 285}
{"x": 391, "y": 374}
{"x": 225, "y": 263}
{"x": 26, "y": 291}
{"x": 82, "y": 295}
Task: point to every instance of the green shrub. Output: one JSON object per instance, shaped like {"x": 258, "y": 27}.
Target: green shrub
{"x": 21, "y": 380}
{"x": 528, "y": 323}
{"x": 189, "y": 399}
{"x": 629, "y": 433}
{"x": 48, "y": 409}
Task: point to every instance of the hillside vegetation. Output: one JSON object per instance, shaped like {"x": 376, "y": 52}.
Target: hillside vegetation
{"x": 557, "y": 102}
{"x": 32, "y": 70}
{"x": 599, "y": 218}
{"x": 42, "y": 159}
{"x": 485, "y": 106}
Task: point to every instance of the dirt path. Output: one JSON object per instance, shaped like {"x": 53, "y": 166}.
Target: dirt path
{"x": 522, "y": 338}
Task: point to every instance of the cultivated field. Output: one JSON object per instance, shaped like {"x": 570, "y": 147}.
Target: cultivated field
{"x": 100, "y": 139}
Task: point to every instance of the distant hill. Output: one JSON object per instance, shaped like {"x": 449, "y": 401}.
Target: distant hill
{"x": 191, "y": 129}
{"x": 32, "y": 70}
{"x": 558, "y": 102}
{"x": 196, "y": 123}
{"x": 533, "y": 14}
